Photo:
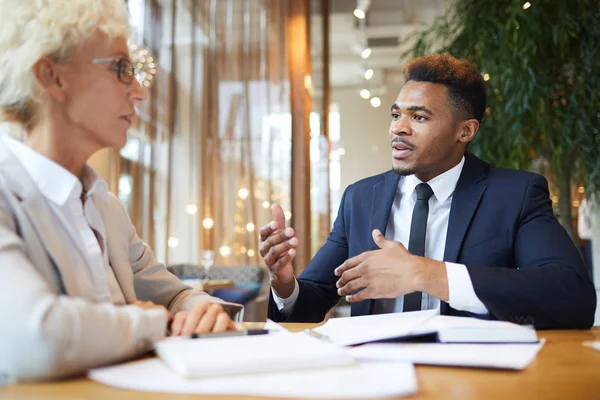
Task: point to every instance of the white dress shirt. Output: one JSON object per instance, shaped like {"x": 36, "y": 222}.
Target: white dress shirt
{"x": 79, "y": 216}
{"x": 461, "y": 292}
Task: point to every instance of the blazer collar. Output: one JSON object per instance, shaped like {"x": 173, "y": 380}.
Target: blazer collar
{"x": 40, "y": 216}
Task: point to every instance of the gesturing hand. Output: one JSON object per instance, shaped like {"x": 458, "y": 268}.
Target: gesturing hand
{"x": 278, "y": 248}
{"x": 388, "y": 272}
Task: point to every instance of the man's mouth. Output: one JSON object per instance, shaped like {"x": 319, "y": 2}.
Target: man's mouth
{"x": 401, "y": 150}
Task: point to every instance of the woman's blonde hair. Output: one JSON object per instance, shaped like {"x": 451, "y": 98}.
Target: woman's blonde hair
{"x": 31, "y": 29}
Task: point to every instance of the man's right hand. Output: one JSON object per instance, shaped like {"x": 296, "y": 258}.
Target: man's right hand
{"x": 278, "y": 248}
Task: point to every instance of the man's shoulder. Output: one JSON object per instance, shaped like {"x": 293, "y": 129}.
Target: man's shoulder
{"x": 509, "y": 175}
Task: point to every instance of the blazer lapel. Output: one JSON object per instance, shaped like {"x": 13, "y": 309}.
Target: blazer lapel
{"x": 467, "y": 195}
{"x": 117, "y": 243}
{"x": 383, "y": 195}
{"x": 41, "y": 218}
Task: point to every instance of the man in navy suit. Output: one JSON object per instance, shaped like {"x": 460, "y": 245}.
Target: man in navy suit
{"x": 482, "y": 241}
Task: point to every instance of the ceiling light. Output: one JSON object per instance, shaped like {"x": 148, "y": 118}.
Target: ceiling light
{"x": 525, "y": 6}
{"x": 365, "y": 53}
{"x": 375, "y": 102}
{"x": 369, "y": 73}
{"x": 365, "y": 94}
{"x": 362, "y": 6}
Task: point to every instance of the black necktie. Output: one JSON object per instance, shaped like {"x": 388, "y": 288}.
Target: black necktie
{"x": 416, "y": 243}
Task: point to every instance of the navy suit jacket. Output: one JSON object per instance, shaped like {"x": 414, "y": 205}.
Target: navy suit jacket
{"x": 523, "y": 265}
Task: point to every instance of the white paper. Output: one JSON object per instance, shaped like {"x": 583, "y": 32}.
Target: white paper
{"x": 505, "y": 356}
{"x": 368, "y": 328}
{"x": 243, "y": 354}
{"x": 366, "y": 380}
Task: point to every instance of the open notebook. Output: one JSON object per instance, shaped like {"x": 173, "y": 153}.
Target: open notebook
{"x": 422, "y": 326}
{"x": 277, "y": 351}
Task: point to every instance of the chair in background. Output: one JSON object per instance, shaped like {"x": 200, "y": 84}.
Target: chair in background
{"x": 251, "y": 286}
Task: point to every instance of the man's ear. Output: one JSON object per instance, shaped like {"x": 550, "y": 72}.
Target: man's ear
{"x": 47, "y": 74}
{"x": 468, "y": 131}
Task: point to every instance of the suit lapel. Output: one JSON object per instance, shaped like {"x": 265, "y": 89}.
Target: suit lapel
{"x": 41, "y": 218}
{"x": 384, "y": 192}
{"x": 383, "y": 195}
{"x": 467, "y": 195}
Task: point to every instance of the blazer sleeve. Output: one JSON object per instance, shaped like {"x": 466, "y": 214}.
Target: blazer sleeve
{"x": 318, "y": 293}
{"x": 550, "y": 286}
{"x": 152, "y": 281}
{"x": 45, "y": 335}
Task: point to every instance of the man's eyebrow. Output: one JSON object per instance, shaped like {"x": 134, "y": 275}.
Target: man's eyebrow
{"x": 426, "y": 110}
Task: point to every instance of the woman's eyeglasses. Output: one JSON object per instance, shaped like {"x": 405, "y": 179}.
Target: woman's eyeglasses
{"x": 123, "y": 67}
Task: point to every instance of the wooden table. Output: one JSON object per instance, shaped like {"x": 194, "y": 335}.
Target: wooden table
{"x": 563, "y": 369}
{"x": 209, "y": 285}
{"x": 214, "y": 284}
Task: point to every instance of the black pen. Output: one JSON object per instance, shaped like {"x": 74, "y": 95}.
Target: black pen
{"x": 249, "y": 332}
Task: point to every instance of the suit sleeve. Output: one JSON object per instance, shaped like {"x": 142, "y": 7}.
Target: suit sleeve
{"x": 550, "y": 286}
{"x": 318, "y": 293}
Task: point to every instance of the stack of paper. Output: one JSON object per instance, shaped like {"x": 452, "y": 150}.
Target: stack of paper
{"x": 277, "y": 351}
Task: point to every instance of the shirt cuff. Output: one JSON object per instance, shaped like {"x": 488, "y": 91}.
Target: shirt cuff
{"x": 286, "y": 306}
{"x": 461, "y": 292}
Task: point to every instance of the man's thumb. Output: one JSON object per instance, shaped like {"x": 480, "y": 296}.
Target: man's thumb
{"x": 381, "y": 241}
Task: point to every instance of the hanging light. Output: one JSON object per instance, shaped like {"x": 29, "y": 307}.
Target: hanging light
{"x": 243, "y": 193}
{"x": 225, "y": 251}
{"x": 365, "y": 94}
{"x": 191, "y": 209}
{"x": 173, "y": 242}
{"x": 366, "y": 53}
{"x": 375, "y": 102}
{"x": 250, "y": 253}
{"x": 208, "y": 223}
{"x": 265, "y": 204}
{"x": 369, "y": 73}
{"x": 250, "y": 227}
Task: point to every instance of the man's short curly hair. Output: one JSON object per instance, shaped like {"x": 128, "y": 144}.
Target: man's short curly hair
{"x": 466, "y": 87}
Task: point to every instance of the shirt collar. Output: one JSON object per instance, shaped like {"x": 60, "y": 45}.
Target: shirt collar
{"x": 55, "y": 183}
{"x": 442, "y": 185}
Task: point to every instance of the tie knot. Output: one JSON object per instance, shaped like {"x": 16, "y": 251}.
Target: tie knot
{"x": 424, "y": 191}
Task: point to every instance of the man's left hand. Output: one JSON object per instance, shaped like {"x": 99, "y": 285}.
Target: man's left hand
{"x": 388, "y": 272}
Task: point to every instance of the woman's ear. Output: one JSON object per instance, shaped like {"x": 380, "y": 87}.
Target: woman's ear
{"x": 48, "y": 75}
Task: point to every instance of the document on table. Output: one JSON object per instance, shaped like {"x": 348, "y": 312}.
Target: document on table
{"x": 356, "y": 330}
{"x": 423, "y": 324}
{"x": 364, "y": 380}
{"x": 502, "y": 356}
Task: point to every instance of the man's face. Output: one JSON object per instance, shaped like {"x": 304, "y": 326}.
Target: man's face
{"x": 424, "y": 133}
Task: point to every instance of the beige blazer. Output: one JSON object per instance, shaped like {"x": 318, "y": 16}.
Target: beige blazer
{"x": 48, "y": 330}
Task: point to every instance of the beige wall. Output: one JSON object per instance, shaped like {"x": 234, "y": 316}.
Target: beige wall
{"x": 363, "y": 134}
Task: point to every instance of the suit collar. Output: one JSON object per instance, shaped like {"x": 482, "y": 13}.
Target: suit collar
{"x": 467, "y": 196}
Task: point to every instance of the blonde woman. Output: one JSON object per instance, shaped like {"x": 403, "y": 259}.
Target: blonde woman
{"x": 78, "y": 287}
